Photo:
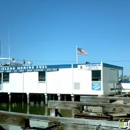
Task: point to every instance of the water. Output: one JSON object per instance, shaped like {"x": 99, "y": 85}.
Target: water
{"x": 37, "y": 109}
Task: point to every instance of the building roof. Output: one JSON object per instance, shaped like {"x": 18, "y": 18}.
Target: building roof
{"x": 15, "y": 69}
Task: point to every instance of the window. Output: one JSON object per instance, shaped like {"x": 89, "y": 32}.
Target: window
{"x": 5, "y": 77}
{"x": 96, "y": 75}
{"x": 42, "y": 76}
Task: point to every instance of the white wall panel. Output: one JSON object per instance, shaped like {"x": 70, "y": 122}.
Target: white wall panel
{"x": 84, "y": 78}
{"x": 14, "y": 84}
{"x": 66, "y": 81}
{"x": 31, "y": 82}
{"x": 6, "y": 87}
{"x": 42, "y": 87}
{"x": 52, "y": 82}
{"x": 110, "y": 77}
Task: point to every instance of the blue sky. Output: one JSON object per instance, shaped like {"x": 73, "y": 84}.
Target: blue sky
{"x": 48, "y": 31}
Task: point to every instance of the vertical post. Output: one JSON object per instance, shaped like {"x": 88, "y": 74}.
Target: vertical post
{"x": 72, "y": 97}
{"x": 53, "y": 97}
{"x": 23, "y": 81}
{"x": 28, "y": 103}
{"x": 9, "y": 102}
{"x": 42, "y": 101}
{"x": 52, "y": 112}
{"x": 46, "y": 110}
{"x": 46, "y": 80}
{"x": 102, "y": 83}
{"x": 2, "y": 82}
{"x": 27, "y": 124}
{"x": 46, "y": 99}
{"x": 76, "y": 55}
{"x": 22, "y": 99}
{"x": 23, "y": 89}
{"x": 59, "y": 97}
{"x": 122, "y": 79}
{"x": 27, "y": 98}
{"x": 65, "y": 97}
{"x": 72, "y": 79}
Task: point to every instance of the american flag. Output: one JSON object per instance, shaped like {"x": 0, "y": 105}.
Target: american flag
{"x": 81, "y": 51}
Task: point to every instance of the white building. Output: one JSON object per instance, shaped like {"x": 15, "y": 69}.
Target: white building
{"x": 73, "y": 79}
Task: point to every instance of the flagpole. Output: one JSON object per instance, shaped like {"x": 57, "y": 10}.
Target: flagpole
{"x": 76, "y": 55}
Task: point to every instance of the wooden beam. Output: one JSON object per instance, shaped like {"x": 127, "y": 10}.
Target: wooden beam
{"x": 65, "y": 105}
{"x": 13, "y": 120}
{"x": 62, "y": 120}
{"x": 77, "y": 105}
{"x": 116, "y": 110}
{"x": 106, "y": 107}
{"x": 92, "y": 116}
{"x": 103, "y": 99}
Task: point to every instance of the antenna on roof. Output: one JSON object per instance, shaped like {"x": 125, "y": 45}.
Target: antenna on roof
{"x": 0, "y": 48}
{"x": 9, "y": 42}
{"x": 1, "y": 52}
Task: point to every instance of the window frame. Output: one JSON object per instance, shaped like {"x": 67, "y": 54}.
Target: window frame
{"x": 42, "y": 78}
{"x": 7, "y": 78}
{"x": 96, "y": 78}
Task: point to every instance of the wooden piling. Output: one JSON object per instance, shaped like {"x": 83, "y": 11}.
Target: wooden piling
{"x": 46, "y": 99}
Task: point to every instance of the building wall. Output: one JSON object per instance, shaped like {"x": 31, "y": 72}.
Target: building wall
{"x": 42, "y": 87}
{"x": 31, "y": 83}
{"x": 64, "y": 81}
{"x": 83, "y": 77}
{"x": 15, "y": 83}
{"x": 27, "y": 82}
{"x": 82, "y": 81}
{"x": 71, "y": 81}
{"x": 110, "y": 78}
{"x": 60, "y": 81}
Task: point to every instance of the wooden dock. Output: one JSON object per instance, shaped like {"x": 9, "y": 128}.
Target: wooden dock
{"x": 94, "y": 113}
{"x": 22, "y": 120}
